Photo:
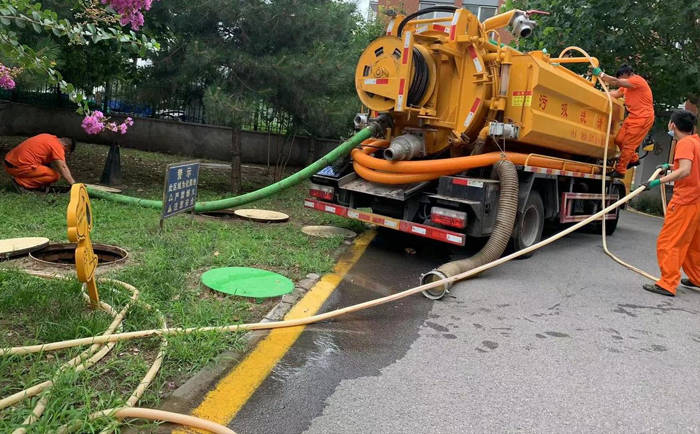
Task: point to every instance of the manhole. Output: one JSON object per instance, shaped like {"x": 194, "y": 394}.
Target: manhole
{"x": 256, "y": 215}
{"x": 63, "y": 255}
{"x": 261, "y": 215}
{"x": 328, "y": 232}
{"x": 221, "y": 214}
{"x": 247, "y": 282}
{"x": 13, "y": 247}
{"x": 59, "y": 189}
{"x": 104, "y": 188}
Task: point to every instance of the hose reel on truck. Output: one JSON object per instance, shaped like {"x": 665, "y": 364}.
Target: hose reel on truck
{"x": 460, "y": 103}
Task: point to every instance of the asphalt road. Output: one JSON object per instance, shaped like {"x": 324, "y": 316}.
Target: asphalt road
{"x": 564, "y": 341}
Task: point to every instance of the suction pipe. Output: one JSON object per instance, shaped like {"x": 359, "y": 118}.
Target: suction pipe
{"x": 495, "y": 246}
{"x": 328, "y": 159}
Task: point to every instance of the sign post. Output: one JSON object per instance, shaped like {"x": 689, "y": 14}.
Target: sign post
{"x": 79, "y": 218}
{"x": 180, "y": 189}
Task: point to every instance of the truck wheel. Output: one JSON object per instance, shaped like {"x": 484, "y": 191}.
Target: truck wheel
{"x": 529, "y": 224}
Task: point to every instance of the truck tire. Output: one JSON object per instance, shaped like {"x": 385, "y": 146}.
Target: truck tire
{"x": 529, "y": 224}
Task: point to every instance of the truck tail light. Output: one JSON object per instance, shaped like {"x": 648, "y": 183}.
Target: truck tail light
{"x": 321, "y": 192}
{"x": 448, "y": 217}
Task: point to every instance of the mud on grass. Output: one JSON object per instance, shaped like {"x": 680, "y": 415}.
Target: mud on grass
{"x": 164, "y": 266}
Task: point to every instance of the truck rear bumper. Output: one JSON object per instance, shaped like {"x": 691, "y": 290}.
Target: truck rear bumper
{"x": 443, "y": 235}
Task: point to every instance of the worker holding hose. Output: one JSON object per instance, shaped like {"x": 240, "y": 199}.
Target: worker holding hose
{"x": 678, "y": 245}
{"x": 640, "y": 105}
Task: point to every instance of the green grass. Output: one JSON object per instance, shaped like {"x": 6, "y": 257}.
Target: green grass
{"x": 164, "y": 266}
{"x": 649, "y": 204}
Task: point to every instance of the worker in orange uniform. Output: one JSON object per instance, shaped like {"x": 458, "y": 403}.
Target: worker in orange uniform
{"x": 678, "y": 245}
{"x": 39, "y": 161}
{"x": 640, "y": 105}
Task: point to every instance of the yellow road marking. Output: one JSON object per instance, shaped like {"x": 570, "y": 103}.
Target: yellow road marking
{"x": 232, "y": 392}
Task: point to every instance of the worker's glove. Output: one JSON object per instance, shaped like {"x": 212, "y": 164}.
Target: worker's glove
{"x": 651, "y": 184}
{"x": 665, "y": 167}
{"x": 597, "y": 71}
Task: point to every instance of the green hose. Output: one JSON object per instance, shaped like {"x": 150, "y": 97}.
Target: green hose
{"x": 231, "y": 202}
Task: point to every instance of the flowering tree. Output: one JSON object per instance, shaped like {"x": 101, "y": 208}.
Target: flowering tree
{"x": 96, "y": 122}
{"x": 93, "y": 21}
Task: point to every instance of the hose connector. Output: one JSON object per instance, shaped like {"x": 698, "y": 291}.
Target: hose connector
{"x": 405, "y": 147}
{"x": 438, "y": 292}
{"x": 380, "y": 124}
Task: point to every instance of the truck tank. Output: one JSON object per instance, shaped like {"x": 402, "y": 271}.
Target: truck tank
{"x": 452, "y": 91}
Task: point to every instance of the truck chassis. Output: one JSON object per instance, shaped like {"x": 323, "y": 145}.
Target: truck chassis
{"x": 454, "y": 208}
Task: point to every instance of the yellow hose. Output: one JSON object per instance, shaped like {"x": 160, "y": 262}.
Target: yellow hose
{"x": 324, "y": 316}
{"x": 79, "y": 365}
{"x": 108, "y": 338}
{"x": 605, "y": 167}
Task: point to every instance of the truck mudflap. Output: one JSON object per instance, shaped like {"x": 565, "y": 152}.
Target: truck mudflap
{"x": 438, "y": 234}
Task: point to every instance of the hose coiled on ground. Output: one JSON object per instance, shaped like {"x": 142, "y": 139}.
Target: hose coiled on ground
{"x": 498, "y": 241}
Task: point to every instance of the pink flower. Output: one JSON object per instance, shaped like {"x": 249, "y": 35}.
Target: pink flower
{"x": 7, "y": 76}
{"x": 92, "y": 125}
{"x": 111, "y": 126}
{"x": 122, "y": 128}
{"x": 98, "y": 114}
{"x": 129, "y": 122}
{"x": 130, "y": 11}
{"x": 6, "y": 82}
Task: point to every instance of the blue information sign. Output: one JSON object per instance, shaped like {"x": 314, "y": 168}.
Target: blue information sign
{"x": 180, "y": 193}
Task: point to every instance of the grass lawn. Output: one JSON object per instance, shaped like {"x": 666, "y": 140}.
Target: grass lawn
{"x": 165, "y": 267}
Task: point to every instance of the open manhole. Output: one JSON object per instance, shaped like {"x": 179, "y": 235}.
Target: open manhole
{"x": 63, "y": 255}
{"x": 221, "y": 214}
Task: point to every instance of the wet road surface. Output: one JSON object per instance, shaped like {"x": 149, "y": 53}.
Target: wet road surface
{"x": 565, "y": 340}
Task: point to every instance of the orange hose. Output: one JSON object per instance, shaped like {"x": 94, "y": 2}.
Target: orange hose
{"x": 404, "y": 172}
{"x": 395, "y": 178}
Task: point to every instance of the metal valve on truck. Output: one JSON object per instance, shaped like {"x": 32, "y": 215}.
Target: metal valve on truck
{"x": 482, "y": 140}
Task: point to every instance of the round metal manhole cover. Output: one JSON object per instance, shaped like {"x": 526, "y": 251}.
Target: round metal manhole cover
{"x": 261, "y": 215}
{"x": 13, "y": 247}
{"x": 104, "y": 188}
{"x": 328, "y": 232}
{"x": 63, "y": 255}
{"x": 247, "y": 282}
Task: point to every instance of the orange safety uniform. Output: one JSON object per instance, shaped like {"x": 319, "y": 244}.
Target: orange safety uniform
{"x": 640, "y": 105}
{"x": 28, "y": 162}
{"x": 678, "y": 245}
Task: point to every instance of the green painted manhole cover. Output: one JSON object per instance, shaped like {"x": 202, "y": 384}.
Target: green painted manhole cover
{"x": 247, "y": 282}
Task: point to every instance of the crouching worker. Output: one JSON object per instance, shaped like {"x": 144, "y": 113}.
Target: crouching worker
{"x": 39, "y": 161}
{"x": 678, "y": 245}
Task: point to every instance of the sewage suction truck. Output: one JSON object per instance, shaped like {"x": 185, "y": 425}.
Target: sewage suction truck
{"x": 478, "y": 139}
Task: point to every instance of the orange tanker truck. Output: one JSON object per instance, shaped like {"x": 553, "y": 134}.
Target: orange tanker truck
{"x": 480, "y": 139}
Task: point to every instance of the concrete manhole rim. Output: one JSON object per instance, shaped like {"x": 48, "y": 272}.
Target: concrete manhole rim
{"x": 96, "y": 246}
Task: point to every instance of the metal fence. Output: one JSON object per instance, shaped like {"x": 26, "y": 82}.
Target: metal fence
{"x": 138, "y": 101}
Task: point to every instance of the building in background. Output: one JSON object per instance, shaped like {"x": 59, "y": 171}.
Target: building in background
{"x": 481, "y": 8}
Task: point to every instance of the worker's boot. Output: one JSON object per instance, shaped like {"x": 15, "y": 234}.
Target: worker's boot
{"x": 18, "y": 188}
{"x": 633, "y": 164}
{"x": 656, "y": 289}
{"x": 689, "y": 284}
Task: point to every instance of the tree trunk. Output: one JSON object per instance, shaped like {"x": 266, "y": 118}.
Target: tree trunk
{"x": 112, "y": 172}
{"x": 236, "y": 160}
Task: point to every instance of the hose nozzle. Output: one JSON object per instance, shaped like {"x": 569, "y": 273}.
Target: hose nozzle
{"x": 406, "y": 147}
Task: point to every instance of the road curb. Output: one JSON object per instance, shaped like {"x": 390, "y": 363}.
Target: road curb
{"x": 180, "y": 400}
